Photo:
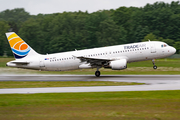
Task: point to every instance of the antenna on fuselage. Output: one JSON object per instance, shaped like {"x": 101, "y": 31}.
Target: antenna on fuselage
{"x": 149, "y": 40}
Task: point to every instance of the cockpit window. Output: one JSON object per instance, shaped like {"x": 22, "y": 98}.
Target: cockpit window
{"x": 164, "y": 45}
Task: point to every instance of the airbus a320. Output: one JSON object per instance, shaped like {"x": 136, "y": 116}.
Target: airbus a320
{"x": 113, "y": 57}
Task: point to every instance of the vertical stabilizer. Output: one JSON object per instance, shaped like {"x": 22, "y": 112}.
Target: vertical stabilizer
{"x": 19, "y": 48}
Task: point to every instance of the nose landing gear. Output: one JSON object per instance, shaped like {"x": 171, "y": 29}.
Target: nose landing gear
{"x": 154, "y": 66}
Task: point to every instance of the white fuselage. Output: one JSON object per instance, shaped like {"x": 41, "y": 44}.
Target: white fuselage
{"x": 67, "y": 60}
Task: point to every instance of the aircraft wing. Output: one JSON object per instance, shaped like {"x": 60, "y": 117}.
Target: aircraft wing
{"x": 94, "y": 61}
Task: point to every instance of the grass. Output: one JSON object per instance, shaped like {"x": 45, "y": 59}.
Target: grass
{"x": 174, "y": 63}
{"x": 36, "y": 84}
{"x": 3, "y": 61}
{"x": 139, "y": 105}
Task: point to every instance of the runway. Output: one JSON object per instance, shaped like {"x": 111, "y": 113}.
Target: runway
{"x": 153, "y": 82}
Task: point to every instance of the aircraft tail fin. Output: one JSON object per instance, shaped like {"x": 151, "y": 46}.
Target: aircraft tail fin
{"x": 19, "y": 48}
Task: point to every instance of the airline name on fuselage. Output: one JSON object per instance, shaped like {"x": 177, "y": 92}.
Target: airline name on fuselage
{"x": 134, "y": 46}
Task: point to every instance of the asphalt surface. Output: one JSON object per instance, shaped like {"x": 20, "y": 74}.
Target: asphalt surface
{"x": 153, "y": 82}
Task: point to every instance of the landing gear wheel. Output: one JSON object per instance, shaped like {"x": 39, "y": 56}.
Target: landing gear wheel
{"x": 155, "y": 67}
{"x": 153, "y": 61}
{"x": 97, "y": 73}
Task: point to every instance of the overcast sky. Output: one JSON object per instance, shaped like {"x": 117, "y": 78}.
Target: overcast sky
{"x": 35, "y": 7}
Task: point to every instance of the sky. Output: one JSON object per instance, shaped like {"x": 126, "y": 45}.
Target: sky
{"x": 35, "y": 7}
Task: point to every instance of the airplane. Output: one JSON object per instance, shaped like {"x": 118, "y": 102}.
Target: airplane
{"x": 112, "y": 57}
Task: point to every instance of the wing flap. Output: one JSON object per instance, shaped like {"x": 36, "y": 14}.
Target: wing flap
{"x": 94, "y": 61}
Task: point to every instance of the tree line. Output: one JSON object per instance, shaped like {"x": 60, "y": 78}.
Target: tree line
{"x": 67, "y": 31}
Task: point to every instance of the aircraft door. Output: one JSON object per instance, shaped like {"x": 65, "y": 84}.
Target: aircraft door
{"x": 41, "y": 63}
{"x": 153, "y": 48}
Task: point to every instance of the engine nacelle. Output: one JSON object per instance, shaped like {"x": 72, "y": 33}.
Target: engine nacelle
{"x": 118, "y": 64}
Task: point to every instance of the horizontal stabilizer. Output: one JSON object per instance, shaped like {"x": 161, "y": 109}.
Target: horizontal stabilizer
{"x": 20, "y": 62}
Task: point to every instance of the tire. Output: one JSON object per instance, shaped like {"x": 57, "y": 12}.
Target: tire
{"x": 155, "y": 67}
{"x": 97, "y": 73}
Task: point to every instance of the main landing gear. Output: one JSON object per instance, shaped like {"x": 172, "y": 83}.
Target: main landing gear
{"x": 97, "y": 73}
{"x": 154, "y": 66}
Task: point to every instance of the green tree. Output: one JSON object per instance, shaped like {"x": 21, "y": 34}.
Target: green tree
{"x": 177, "y": 46}
{"x": 92, "y": 27}
{"x": 139, "y": 33}
{"x": 110, "y": 34}
{"x": 31, "y": 32}
{"x": 15, "y": 17}
{"x": 150, "y": 37}
{"x": 168, "y": 41}
{"x": 121, "y": 16}
{"x": 4, "y": 45}
{"x": 67, "y": 31}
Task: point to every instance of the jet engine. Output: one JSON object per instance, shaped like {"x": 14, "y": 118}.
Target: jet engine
{"x": 118, "y": 64}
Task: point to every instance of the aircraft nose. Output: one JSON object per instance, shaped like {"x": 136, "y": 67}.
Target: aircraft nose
{"x": 7, "y": 64}
{"x": 173, "y": 50}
